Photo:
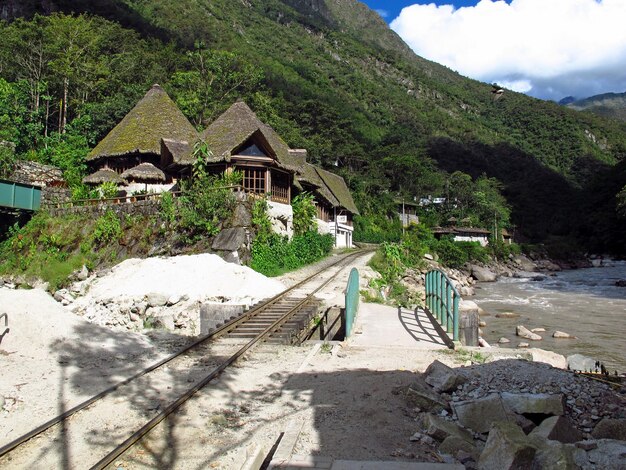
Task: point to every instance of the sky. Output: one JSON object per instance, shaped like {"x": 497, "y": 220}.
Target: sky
{"x": 549, "y": 49}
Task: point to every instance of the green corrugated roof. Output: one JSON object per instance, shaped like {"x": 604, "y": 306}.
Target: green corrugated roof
{"x": 155, "y": 117}
{"x": 340, "y": 190}
{"x": 235, "y": 126}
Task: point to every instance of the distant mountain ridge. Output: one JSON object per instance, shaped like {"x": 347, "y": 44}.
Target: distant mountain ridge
{"x": 611, "y": 105}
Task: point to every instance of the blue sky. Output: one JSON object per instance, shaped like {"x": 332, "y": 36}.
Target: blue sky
{"x": 549, "y": 49}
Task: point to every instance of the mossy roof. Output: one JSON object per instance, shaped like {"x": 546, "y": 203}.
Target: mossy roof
{"x": 105, "y": 175}
{"x": 153, "y": 118}
{"x": 338, "y": 187}
{"x": 233, "y": 129}
{"x": 144, "y": 172}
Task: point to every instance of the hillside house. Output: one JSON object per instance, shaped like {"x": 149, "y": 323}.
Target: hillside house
{"x": 464, "y": 234}
{"x": 155, "y": 125}
{"x": 156, "y": 133}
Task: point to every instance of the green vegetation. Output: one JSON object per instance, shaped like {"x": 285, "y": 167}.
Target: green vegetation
{"x": 273, "y": 255}
{"x": 331, "y": 78}
{"x": 304, "y": 214}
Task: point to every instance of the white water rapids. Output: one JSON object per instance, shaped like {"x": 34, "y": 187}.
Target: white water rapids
{"x": 585, "y": 303}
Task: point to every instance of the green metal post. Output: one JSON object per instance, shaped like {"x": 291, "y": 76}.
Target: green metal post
{"x": 455, "y": 334}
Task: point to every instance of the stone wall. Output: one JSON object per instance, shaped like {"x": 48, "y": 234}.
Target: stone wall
{"x": 146, "y": 207}
{"x": 53, "y": 195}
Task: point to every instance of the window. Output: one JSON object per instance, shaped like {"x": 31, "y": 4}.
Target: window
{"x": 254, "y": 180}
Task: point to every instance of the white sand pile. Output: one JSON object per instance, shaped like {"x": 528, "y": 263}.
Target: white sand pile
{"x": 197, "y": 277}
{"x": 167, "y": 292}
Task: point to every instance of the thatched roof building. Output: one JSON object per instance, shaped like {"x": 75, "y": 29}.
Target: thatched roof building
{"x": 154, "y": 117}
{"x": 104, "y": 175}
{"x": 37, "y": 174}
{"x": 144, "y": 173}
{"x": 337, "y": 185}
{"x": 238, "y": 128}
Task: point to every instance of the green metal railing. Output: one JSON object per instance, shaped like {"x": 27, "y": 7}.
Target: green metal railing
{"x": 19, "y": 196}
{"x": 442, "y": 300}
{"x": 352, "y": 300}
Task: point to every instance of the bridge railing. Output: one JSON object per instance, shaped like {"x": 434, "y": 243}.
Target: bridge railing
{"x": 442, "y": 300}
{"x": 19, "y": 196}
{"x": 352, "y": 300}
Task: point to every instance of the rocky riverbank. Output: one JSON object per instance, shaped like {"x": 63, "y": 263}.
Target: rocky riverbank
{"x": 518, "y": 414}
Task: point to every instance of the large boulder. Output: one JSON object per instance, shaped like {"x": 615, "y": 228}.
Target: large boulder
{"x": 230, "y": 239}
{"x": 557, "y": 428}
{"x": 610, "y": 428}
{"x": 440, "y": 429}
{"x": 580, "y": 362}
{"x": 156, "y": 299}
{"x": 548, "y": 357}
{"x": 443, "y": 378}
{"x": 534, "y": 403}
{"x": 524, "y": 332}
{"x": 507, "y": 448}
{"x": 420, "y": 396}
{"x": 609, "y": 454}
{"x": 452, "y": 445}
{"x": 478, "y": 415}
{"x": 552, "y": 455}
{"x": 524, "y": 263}
{"x": 483, "y": 274}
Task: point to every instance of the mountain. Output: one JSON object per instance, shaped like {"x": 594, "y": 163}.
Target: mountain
{"x": 611, "y": 105}
{"x": 338, "y": 81}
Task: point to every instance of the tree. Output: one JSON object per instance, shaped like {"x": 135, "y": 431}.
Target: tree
{"x": 304, "y": 213}
{"x": 214, "y": 80}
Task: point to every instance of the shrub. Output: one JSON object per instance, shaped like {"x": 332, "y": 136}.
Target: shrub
{"x": 304, "y": 213}
{"x": 107, "y": 228}
{"x": 275, "y": 255}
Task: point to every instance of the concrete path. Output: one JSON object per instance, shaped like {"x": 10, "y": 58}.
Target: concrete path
{"x": 380, "y": 325}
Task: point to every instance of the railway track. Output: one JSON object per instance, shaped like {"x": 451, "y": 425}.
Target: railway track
{"x": 80, "y": 438}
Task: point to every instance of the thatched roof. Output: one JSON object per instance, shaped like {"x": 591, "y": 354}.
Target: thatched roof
{"x": 144, "y": 172}
{"x": 235, "y": 127}
{"x": 174, "y": 151}
{"x": 155, "y": 117}
{"x": 104, "y": 176}
{"x": 338, "y": 187}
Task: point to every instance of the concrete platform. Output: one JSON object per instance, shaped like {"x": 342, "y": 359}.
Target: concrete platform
{"x": 316, "y": 462}
{"x": 380, "y": 325}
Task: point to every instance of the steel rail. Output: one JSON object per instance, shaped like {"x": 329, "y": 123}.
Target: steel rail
{"x": 145, "y": 429}
{"x": 214, "y": 334}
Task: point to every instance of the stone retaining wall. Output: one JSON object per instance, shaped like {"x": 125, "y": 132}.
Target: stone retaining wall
{"x": 147, "y": 208}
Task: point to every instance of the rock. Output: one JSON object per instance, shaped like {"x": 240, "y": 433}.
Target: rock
{"x": 558, "y": 428}
{"x": 230, "y": 239}
{"x": 524, "y": 332}
{"x": 609, "y": 454}
{"x": 506, "y": 448}
{"x": 482, "y": 323}
{"x": 164, "y": 320}
{"x": 507, "y": 315}
{"x": 429, "y": 257}
{"x": 82, "y": 274}
{"x": 439, "y": 428}
{"x": 548, "y": 357}
{"x": 478, "y": 415}
{"x": 610, "y": 428}
{"x": 64, "y": 296}
{"x": 155, "y": 299}
{"x": 580, "y": 362}
{"x": 587, "y": 445}
{"x": 524, "y": 423}
{"x": 523, "y": 345}
{"x": 561, "y": 334}
{"x": 419, "y": 396}
{"x": 535, "y": 403}
{"x": 452, "y": 445}
{"x": 620, "y": 283}
{"x": 173, "y": 299}
{"x": 443, "y": 378}
{"x": 538, "y": 330}
{"x": 416, "y": 437}
{"x": 466, "y": 291}
{"x": 552, "y": 455}
{"x": 504, "y": 340}
{"x": 524, "y": 263}
{"x": 482, "y": 274}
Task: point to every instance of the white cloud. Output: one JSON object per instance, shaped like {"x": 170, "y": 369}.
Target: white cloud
{"x": 547, "y": 48}
{"x": 383, "y": 13}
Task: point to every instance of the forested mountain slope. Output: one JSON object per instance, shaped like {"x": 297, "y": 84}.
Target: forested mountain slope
{"x": 612, "y": 105}
{"x": 330, "y": 76}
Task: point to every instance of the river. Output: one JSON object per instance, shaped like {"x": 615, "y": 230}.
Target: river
{"x": 585, "y": 303}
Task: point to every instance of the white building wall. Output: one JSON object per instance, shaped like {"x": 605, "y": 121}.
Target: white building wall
{"x": 343, "y": 238}
{"x": 484, "y": 241}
